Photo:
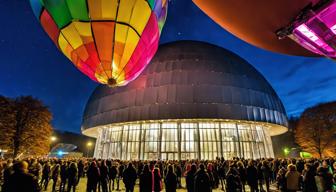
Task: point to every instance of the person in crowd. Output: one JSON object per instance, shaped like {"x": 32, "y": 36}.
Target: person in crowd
{"x": 171, "y": 180}
{"x": 36, "y": 169}
{"x": 54, "y": 176}
{"x": 323, "y": 179}
{"x": 281, "y": 180}
{"x": 292, "y": 179}
{"x": 80, "y": 167}
{"x": 157, "y": 184}
{"x": 45, "y": 175}
{"x": 120, "y": 174}
{"x": 64, "y": 175}
{"x": 129, "y": 177}
{"x": 178, "y": 173}
{"x": 251, "y": 176}
{"x": 146, "y": 177}
{"x": 221, "y": 174}
{"x": 233, "y": 183}
{"x": 113, "y": 172}
{"x": 21, "y": 179}
{"x": 93, "y": 175}
{"x": 190, "y": 178}
{"x": 202, "y": 180}
{"x": 309, "y": 173}
{"x": 72, "y": 177}
{"x": 266, "y": 173}
{"x": 104, "y": 174}
{"x": 242, "y": 174}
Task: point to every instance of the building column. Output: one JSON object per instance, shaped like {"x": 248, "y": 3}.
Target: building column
{"x": 179, "y": 138}
{"x": 239, "y": 146}
{"x": 140, "y": 141}
{"x": 159, "y": 140}
{"x": 220, "y": 139}
{"x": 120, "y": 141}
{"x": 199, "y": 142}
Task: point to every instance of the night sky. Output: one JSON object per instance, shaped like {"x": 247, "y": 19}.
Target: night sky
{"x": 32, "y": 65}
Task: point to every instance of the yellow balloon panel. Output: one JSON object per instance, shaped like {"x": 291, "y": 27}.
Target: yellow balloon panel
{"x": 125, "y": 10}
{"x": 141, "y": 12}
{"x": 130, "y": 44}
{"x": 65, "y": 46}
{"x": 72, "y": 36}
{"x": 103, "y": 9}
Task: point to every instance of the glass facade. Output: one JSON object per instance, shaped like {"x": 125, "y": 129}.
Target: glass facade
{"x": 184, "y": 139}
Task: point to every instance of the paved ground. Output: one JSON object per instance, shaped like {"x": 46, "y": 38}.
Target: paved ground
{"x": 82, "y": 187}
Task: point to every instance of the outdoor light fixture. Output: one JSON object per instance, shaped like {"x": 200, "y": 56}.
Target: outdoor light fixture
{"x": 53, "y": 138}
{"x": 314, "y": 28}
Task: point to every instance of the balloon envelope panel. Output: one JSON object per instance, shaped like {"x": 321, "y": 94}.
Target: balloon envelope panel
{"x": 110, "y": 41}
{"x": 256, "y": 22}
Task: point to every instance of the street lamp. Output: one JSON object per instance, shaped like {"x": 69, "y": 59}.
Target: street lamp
{"x": 88, "y": 145}
{"x": 53, "y": 139}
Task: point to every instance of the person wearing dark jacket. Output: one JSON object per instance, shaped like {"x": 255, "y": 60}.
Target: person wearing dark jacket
{"x": 309, "y": 184}
{"x": 202, "y": 180}
{"x": 266, "y": 173}
{"x": 120, "y": 174}
{"x": 72, "y": 177}
{"x": 242, "y": 174}
{"x": 233, "y": 183}
{"x": 251, "y": 176}
{"x": 146, "y": 178}
{"x": 45, "y": 175}
{"x": 93, "y": 175}
{"x": 54, "y": 176}
{"x": 171, "y": 180}
{"x": 157, "y": 185}
{"x": 80, "y": 169}
{"x": 21, "y": 180}
{"x": 104, "y": 172}
{"x": 190, "y": 178}
{"x": 129, "y": 178}
{"x": 113, "y": 172}
{"x": 64, "y": 169}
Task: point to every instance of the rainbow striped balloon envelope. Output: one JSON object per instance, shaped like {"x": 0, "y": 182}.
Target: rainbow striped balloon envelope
{"x": 111, "y": 41}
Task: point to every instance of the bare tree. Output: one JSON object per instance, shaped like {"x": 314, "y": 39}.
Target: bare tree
{"x": 316, "y": 130}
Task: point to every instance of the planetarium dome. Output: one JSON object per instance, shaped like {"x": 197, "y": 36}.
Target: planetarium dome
{"x": 194, "y": 101}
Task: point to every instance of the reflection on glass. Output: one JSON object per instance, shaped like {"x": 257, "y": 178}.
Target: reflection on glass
{"x": 183, "y": 140}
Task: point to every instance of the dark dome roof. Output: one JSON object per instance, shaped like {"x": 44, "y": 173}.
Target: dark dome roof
{"x": 188, "y": 80}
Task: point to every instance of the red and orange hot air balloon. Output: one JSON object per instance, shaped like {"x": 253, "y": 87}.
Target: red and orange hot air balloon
{"x": 111, "y": 41}
{"x": 294, "y": 27}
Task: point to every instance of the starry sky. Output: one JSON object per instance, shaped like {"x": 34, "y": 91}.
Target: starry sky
{"x": 32, "y": 65}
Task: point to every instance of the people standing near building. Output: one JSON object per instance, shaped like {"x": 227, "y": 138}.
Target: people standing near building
{"x": 190, "y": 178}
{"x": 64, "y": 170}
{"x": 281, "y": 180}
{"x": 121, "y": 168}
{"x": 113, "y": 173}
{"x": 171, "y": 180}
{"x": 242, "y": 174}
{"x": 54, "y": 175}
{"x": 157, "y": 181}
{"x": 266, "y": 173}
{"x": 252, "y": 176}
{"x": 72, "y": 177}
{"x": 202, "y": 180}
{"x": 46, "y": 170}
{"x": 178, "y": 172}
{"x": 129, "y": 177}
{"x": 21, "y": 180}
{"x": 233, "y": 183}
{"x": 93, "y": 175}
{"x": 309, "y": 173}
{"x": 104, "y": 176}
{"x": 293, "y": 179}
{"x": 146, "y": 179}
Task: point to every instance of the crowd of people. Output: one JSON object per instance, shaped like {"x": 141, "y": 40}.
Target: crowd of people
{"x": 288, "y": 175}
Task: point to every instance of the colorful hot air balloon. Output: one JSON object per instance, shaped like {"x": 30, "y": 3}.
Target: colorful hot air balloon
{"x": 111, "y": 41}
{"x": 256, "y": 22}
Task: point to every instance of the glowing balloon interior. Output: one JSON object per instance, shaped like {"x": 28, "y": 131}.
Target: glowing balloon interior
{"x": 315, "y": 29}
{"x": 111, "y": 41}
